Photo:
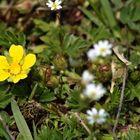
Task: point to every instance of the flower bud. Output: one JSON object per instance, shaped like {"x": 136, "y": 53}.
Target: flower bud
{"x": 104, "y": 72}
{"x": 60, "y": 62}
{"x": 45, "y": 72}
{"x": 53, "y": 82}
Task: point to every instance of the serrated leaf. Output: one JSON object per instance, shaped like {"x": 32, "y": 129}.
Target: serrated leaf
{"x": 133, "y": 91}
{"x": 132, "y": 135}
{"x": 73, "y": 44}
{"x": 8, "y": 38}
{"x": 49, "y": 134}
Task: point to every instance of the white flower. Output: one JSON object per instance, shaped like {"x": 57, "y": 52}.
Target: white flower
{"x": 103, "y": 48}
{"x": 96, "y": 116}
{"x": 56, "y": 5}
{"x": 87, "y": 77}
{"x": 94, "y": 92}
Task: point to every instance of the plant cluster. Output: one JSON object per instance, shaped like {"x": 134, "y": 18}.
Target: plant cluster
{"x": 69, "y": 70}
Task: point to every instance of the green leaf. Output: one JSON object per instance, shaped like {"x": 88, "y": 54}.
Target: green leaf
{"x": 99, "y": 34}
{"x": 75, "y": 102}
{"x": 43, "y": 26}
{"x": 125, "y": 15}
{"x": 39, "y": 48}
{"x": 3, "y": 133}
{"x": 2, "y": 27}
{"x": 107, "y": 137}
{"x": 8, "y": 38}
{"x": 135, "y": 57}
{"x": 72, "y": 44}
{"x": 111, "y": 18}
{"x": 113, "y": 100}
{"x": 6, "y": 117}
{"x": 20, "y": 137}
{"x": 21, "y": 38}
{"x": 20, "y": 121}
{"x": 132, "y": 135}
{"x": 92, "y": 18}
{"x": 5, "y": 98}
{"x": 118, "y": 3}
{"x": 47, "y": 96}
{"x": 49, "y": 134}
{"x": 133, "y": 91}
{"x": 109, "y": 13}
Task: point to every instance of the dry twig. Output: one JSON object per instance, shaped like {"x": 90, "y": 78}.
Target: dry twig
{"x": 121, "y": 102}
{"x": 82, "y": 122}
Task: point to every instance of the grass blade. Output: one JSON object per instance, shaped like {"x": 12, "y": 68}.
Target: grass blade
{"x": 20, "y": 121}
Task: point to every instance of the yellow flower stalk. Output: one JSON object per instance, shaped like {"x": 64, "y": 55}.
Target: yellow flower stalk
{"x": 17, "y": 65}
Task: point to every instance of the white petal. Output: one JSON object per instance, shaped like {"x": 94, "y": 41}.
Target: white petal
{"x": 101, "y": 89}
{"x": 101, "y": 120}
{"x": 89, "y": 89}
{"x": 92, "y": 54}
{"x": 49, "y": 5}
{"x": 49, "y": 2}
{"x": 58, "y": 2}
{"x": 89, "y": 112}
{"x": 101, "y": 43}
{"x": 87, "y": 76}
{"x": 102, "y": 113}
{"x": 59, "y": 7}
{"x": 108, "y": 52}
{"x": 106, "y": 42}
{"x": 94, "y": 111}
{"x": 91, "y": 121}
{"x": 52, "y": 8}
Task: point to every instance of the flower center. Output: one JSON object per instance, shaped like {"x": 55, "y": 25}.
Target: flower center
{"x": 96, "y": 117}
{"x": 15, "y": 68}
{"x": 93, "y": 93}
{"x": 102, "y": 49}
{"x": 55, "y": 5}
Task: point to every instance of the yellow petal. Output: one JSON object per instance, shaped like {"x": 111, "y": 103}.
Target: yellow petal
{"x": 4, "y": 75}
{"x": 3, "y": 62}
{"x": 15, "y": 79}
{"x": 23, "y": 76}
{"x": 16, "y": 52}
{"x": 29, "y": 61}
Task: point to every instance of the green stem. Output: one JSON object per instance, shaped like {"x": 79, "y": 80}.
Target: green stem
{"x": 33, "y": 92}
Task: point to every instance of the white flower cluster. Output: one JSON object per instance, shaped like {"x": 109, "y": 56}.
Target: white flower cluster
{"x": 56, "y": 5}
{"x": 102, "y": 48}
{"x": 94, "y": 91}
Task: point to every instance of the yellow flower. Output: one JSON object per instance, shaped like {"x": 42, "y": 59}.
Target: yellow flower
{"x": 17, "y": 65}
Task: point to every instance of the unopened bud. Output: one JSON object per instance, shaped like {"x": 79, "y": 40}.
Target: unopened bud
{"x": 53, "y": 82}
{"x": 60, "y": 62}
